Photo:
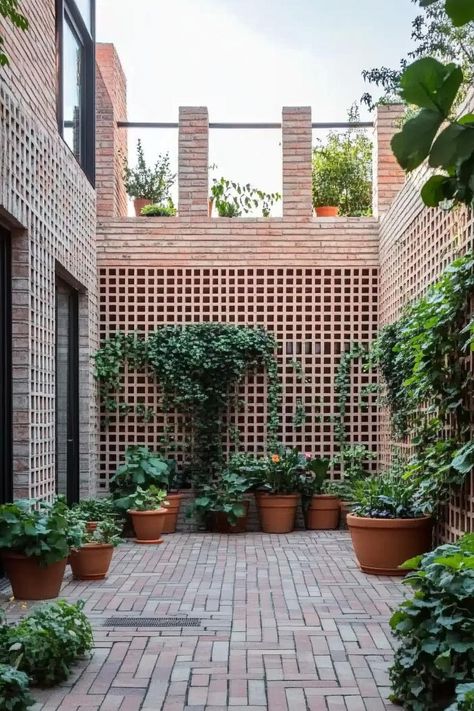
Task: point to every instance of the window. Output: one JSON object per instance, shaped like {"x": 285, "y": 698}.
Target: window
{"x": 76, "y": 79}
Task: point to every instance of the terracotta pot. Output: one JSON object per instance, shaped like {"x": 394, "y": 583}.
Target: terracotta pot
{"x": 92, "y": 561}
{"x": 210, "y": 204}
{"x": 91, "y": 526}
{"x": 327, "y": 211}
{"x": 278, "y": 512}
{"x": 148, "y": 525}
{"x": 138, "y": 203}
{"x": 172, "y": 511}
{"x": 323, "y": 513}
{"x": 382, "y": 545}
{"x": 29, "y": 579}
{"x": 220, "y": 523}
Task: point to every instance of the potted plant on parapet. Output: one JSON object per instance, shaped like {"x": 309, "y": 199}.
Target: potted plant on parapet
{"x": 279, "y": 497}
{"x": 388, "y": 523}
{"x": 232, "y": 199}
{"x": 342, "y": 173}
{"x": 92, "y": 560}
{"x": 149, "y": 186}
{"x": 35, "y": 541}
{"x": 148, "y": 512}
{"x": 222, "y": 505}
{"x": 321, "y": 510}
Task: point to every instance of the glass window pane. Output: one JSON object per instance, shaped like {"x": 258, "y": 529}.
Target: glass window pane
{"x": 72, "y": 80}
{"x": 84, "y": 7}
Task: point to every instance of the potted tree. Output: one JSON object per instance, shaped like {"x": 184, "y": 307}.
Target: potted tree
{"x": 148, "y": 511}
{"x": 278, "y": 500}
{"x": 222, "y": 505}
{"x": 321, "y": 510}
{"x": 149, "y": 186}
{"x": 92, "y": 560}
{"x": 342, "y": 173}
{"x": 35, "y": 543}
{"x": 388, "y": 523}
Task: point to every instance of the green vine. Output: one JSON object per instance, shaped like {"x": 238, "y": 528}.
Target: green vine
{"x": 198, "y": 368}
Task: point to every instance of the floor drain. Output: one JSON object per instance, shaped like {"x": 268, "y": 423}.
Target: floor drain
{"x": 152, "y": 622}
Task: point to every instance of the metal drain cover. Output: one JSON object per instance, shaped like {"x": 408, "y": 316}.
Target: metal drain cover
{"x": 152, "y": 622}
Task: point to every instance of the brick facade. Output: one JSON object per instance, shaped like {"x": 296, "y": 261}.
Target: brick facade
{"x": 48, "y": 205}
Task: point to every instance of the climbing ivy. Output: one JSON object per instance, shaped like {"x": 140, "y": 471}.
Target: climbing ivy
{"x": 198, "y": 368}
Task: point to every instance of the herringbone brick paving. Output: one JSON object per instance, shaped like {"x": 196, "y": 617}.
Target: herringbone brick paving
{"x": 287, "y": 622}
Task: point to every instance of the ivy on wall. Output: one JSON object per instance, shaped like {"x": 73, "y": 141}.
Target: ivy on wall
{"x": 198, "y": 368}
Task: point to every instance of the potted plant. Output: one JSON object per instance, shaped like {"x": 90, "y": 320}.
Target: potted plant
{"x": 167, "y": 210}
{"x": 388, "y": 523}
{"x": 342, "y": 173}
{"x": 35, "y": 543}
{"x": 232, "y": 199}
{"x": 148, "y": 186}
{"x": 222, "y": 504}
{"x": 353, "y": 460}
{"x": 321, "y": 510}
{"x": 278, "y": 500}
{"x": 148, "y": 511}
{"x": 92, "y": 560}
{"x": 92, "y": 511}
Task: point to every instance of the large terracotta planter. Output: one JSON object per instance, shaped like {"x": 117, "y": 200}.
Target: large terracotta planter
{"x": 139, "y": 203}
{"x": 92, "y": 561}
{"x": 172, "y": 512}
{"x": 326, "y": 211}
{"x": 278, "y": 512}
{"x": 148, "y": 525}
{"x": 29, "y": 579}
{"x": 220, "y": 523}
{"x": 382, "y": 545}
{"x": 323, "y": 513}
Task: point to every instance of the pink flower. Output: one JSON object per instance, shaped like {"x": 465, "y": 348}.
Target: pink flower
{"x": 308, "y": 455}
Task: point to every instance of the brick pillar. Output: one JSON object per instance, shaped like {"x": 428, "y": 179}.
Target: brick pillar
{"x": 297, "y": 153}
{"x": 111, "y": 142}
{"x": 389, "y": 178}
{"x": 193, "y": 161}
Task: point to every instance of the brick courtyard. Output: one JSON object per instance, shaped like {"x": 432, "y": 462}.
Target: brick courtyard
{"x": 285, "y": 622}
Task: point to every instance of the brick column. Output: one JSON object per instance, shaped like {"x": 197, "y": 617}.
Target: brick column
{"x": 389, "y": 178}
{"x": 297, "y": 145}
{"x": 193, "y": 162}
{"x": 111, "y": 142}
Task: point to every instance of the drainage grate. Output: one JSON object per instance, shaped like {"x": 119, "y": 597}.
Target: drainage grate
{"x": 152, "y": 622}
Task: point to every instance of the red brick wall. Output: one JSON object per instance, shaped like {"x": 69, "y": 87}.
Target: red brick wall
{"x": 390, "y": 177}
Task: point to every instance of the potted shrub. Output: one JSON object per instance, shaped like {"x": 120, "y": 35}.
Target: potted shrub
{"x": 168, "y": 210}
{"x": 92, "y": 511}
{"x": 232, "y": 199}
{"x": 278, "y": 501}
{"x": 35, "y": 544}
{"x": 387, "y": 524}
{"x": 148, "y": 186}
{"x": 92, "y": 560}
{"x": 342, "y": 173}
{"x": 222, "y": 504}
{"x": 321, "y": 510}
{"x": 148, "y": 511}
{"x": 145, "y": 468}
{"x": 353, "y": 459}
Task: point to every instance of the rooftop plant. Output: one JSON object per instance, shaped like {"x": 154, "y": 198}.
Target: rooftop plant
{"x": 168, "y": 210}
{"x": 151, "y": 183}
{"x": 232, "y": 199}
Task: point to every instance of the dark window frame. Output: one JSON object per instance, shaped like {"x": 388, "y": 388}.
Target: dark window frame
{"x": 6, "y": 405}
{"x": 67, "y": 11}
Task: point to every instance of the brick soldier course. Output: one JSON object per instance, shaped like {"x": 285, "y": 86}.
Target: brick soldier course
{"x": 287, "y": 622}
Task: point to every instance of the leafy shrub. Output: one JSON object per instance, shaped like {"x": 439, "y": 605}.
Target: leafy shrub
{"x": 233, "y": 199}
{"x": 159, "y": 210}
{"x": 436, "y": 631}
{"x": 314, "y": 478}
{"x": 94, "y": 509}
{"x": 222, "y": 496}
{"x": 150, "y": 499}
{"x": 45, "y": 644}
{"x": 464, "y": 698}
{"x": 150, "y": 183}
{"x": 283, "y": 471}
{"x": 141, "y": 468}
{"x": 107, "y": 531}
{"x": 14, "y": 691}
{"x": 386, "y": 495}
{"x": 43, "y": 532}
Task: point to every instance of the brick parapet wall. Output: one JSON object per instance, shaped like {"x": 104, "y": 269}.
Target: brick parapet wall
{"x": 389, "y": 177}
{"x": 297, "y": 141}
{"x": 111, "y": 141}
{"x": 193, "y": 161}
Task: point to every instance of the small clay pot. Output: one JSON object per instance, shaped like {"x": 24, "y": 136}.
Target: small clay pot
{"x": 326, "y": 211}
{"x": 220, "y": 522}
{"x": 139, "y": 203}
{"x": 278, "y": 512}
{"x": 29, "y": 579}
{"x": 91, "y": 526}
{"x": 381, "y": 545}
{"x": 323, "y": 513}
{"x": 172, "y": 512}
{"x": 148, "y": 525}
{"x": 91, "y": 561}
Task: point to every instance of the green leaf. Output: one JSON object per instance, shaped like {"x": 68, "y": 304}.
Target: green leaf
{"x": 412, "y": 145}
{"x": 437, "y": 189}
{"x": 460, "y": 11}
{"x": 430, "y": 84}
{"x": 455, "y": 144}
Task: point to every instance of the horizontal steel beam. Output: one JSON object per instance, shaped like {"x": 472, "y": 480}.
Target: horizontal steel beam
{"x": 167, "y": 124}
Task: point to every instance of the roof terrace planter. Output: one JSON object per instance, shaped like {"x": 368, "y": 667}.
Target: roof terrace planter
{"x": 149, "y": 186}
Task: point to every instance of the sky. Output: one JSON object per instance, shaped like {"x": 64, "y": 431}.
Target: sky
{"x": 244, "y": 60}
